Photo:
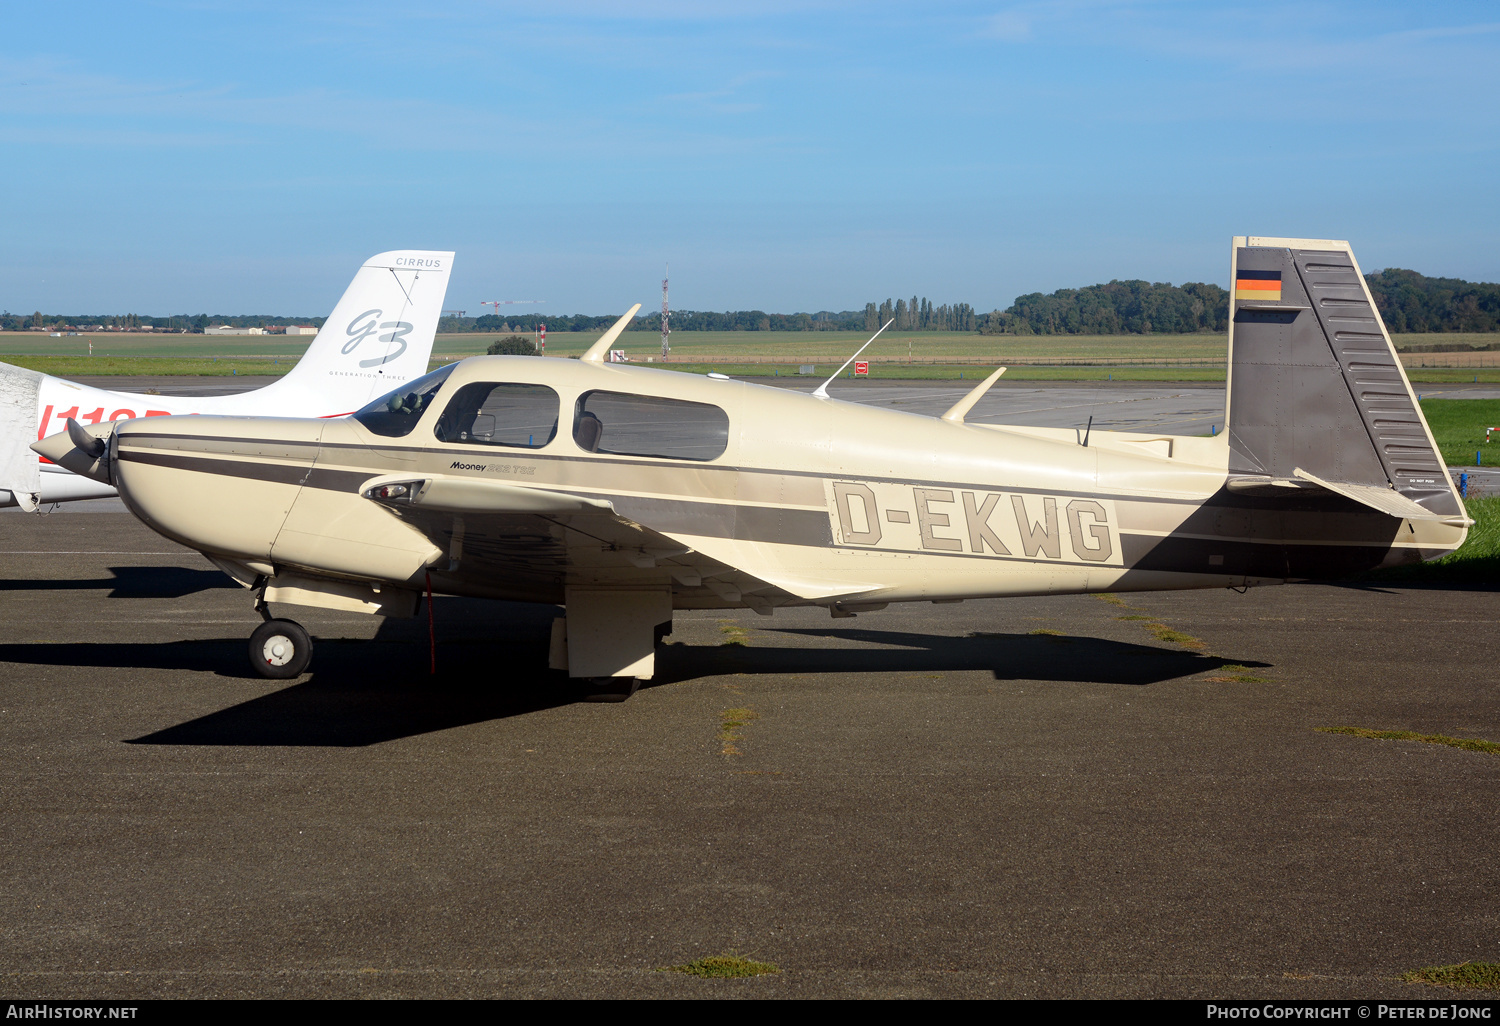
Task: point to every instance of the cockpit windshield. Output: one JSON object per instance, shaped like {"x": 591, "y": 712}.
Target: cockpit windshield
{"x": 396, "y": 413}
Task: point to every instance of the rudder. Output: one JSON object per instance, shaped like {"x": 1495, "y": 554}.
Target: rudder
{"x": 1317, "y": 393}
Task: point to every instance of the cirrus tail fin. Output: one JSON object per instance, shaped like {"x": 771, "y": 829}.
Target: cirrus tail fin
{"x": 380, "y": 334}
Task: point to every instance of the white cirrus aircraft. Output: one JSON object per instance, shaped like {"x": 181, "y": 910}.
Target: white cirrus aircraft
{"x": 379, "y": 336}
{"x": 624, "y": 492}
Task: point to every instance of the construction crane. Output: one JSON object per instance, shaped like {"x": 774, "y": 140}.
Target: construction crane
{"x": 498, "y": 303}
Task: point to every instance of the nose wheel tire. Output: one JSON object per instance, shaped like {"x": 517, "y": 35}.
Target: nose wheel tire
{"x": 280, "y": 649}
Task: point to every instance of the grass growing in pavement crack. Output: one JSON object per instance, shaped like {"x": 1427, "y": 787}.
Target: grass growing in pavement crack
{"x": 1465, "y": 976}
{"x": 1234, "y": 673}
{"x": 1048, "y": 631}
{"x": 1161, "y": 632}
{"x": 1466, "y": 743}
{"x": 1135, "y": 616}
{"x": 723, "y": 967}
{"x": 734, "y": 633}
{"x": 730, "y": 723}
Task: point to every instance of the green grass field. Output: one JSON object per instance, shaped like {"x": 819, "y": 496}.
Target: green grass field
{"x": 960, "y": 372}
{"x": 797, "y": 347}
{"x": 1476, "y": 561}
{"x": 124, "y": 344}
{"x": 150, "y": 366}
{"x": 938, "y": 355}
{"x": 1458, "y": 428}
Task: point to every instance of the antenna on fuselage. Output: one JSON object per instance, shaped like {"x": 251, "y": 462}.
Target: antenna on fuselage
{"x": 961, "y": 408}
{"x": 822, "y": 390}
{"x": 596, "y": 351}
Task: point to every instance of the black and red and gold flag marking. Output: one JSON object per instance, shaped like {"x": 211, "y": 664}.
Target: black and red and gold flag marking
{"x": 1262, "y": 285}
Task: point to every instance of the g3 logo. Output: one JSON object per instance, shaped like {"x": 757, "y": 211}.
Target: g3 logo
{"x": 369, "y": 323}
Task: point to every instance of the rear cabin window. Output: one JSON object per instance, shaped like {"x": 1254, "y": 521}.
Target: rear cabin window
{"x": 645, "y": 425}
{"x": 396, "y": 413}
{"x": 487, "y": 413}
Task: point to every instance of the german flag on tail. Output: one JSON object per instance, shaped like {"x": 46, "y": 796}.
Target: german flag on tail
{"x": 1262, "y": 285}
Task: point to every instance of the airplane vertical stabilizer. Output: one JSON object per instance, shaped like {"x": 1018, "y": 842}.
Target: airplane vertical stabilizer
{"x": 379, "y": 335}
{"x": 1316, "y": 390}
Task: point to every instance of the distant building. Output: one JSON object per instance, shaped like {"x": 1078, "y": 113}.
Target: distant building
{"x": 301, "y": 329}
{"x": 224, "y": 329}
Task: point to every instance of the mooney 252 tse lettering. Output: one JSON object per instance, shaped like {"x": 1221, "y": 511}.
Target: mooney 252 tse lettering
{"x": 624, "y": 492}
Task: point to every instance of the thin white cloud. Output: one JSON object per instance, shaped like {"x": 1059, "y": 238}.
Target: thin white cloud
{"x": 1011, "y": 26}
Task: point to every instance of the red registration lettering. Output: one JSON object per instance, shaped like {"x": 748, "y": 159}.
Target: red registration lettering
{"x": 95, "y": 416}
{"x": 122, "y": 415}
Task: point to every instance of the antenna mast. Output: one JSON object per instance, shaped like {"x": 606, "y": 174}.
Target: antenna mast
{"x": 665, "y": 331}
{"x": 822, "y": 390}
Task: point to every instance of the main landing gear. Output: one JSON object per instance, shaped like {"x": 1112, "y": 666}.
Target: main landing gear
{"x": 280, "y": 649}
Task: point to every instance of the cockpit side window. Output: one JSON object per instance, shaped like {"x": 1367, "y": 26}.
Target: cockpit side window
{"x": 504, "y": 413}
{"x": 396, "y": 413}
{"x": 647, "y": 425}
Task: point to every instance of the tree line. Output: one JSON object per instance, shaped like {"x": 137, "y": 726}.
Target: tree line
{"x": 1408, "y": 301}
{"x": 1118, "y": 308}
{"x": 134, "y": 322}
{"x": 916, "y": 314}
{"x": 1413, "y": 302}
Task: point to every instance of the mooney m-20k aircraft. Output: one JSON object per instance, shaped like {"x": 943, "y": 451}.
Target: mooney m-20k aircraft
{"x": 624, "y": 492}
{"x": 379, "y": 336}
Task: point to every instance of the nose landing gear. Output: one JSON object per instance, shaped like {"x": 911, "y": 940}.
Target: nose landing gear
{"x": 280, "y": 649}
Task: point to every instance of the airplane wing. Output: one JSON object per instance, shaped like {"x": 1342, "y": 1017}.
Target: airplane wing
{"x": 535, "y": 540}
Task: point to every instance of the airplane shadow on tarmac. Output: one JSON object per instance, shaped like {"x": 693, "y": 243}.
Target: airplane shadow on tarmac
{"x": 134, "y": 582}
{"x": 1008, "y": 656}
{"x": 492, "y": 665}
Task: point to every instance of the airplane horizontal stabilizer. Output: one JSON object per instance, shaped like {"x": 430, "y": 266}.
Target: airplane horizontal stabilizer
{"x": 1385, "y": 500}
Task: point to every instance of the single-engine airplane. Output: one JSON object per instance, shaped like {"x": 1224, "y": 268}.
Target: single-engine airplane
{"x": 625, "y": 492}
{"x": 379, "y": 336}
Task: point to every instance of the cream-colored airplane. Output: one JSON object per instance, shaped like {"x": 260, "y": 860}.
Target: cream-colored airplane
{"x": 624, "y": 493}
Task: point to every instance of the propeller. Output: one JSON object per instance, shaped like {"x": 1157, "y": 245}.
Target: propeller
{"x": 85, "y": 442}
{"x": 80, "y": 450}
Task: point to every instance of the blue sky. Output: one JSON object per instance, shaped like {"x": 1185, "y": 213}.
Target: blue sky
{"x": 245, "y": 157}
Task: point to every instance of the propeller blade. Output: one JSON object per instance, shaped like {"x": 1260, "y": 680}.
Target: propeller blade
{"x": 85, "y": 443}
